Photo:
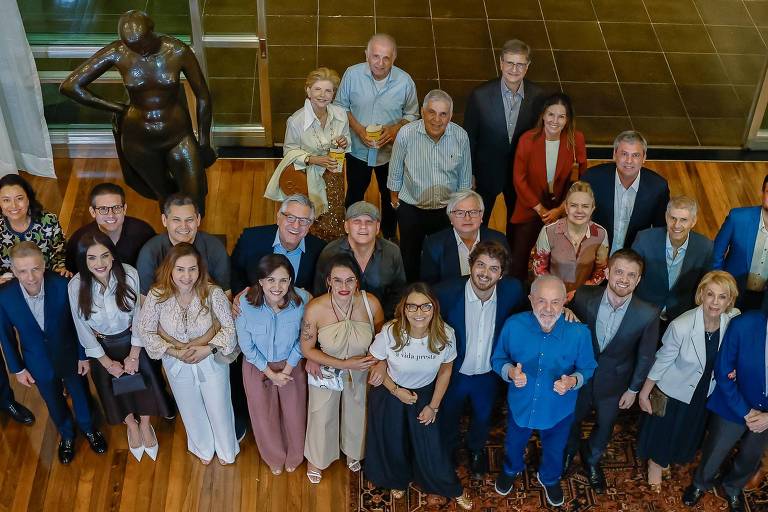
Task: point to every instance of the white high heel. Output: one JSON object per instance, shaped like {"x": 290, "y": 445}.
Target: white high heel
{"x": 152, "y": 450}
{"x": 136, "y": 452}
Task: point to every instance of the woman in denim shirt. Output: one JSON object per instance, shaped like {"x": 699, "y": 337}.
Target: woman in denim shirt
{"x": 275, "y": 381}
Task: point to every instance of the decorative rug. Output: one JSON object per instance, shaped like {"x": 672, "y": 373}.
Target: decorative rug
{"x": 625, "y": 475}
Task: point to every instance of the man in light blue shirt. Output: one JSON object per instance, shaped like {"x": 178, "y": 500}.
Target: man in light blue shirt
{"x": 375, "y": 93}
{"x": 430, "y": 160}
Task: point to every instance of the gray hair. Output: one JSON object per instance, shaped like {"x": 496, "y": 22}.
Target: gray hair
{"x": 24, "y": 249}
{"x": 301, "y": 199}
{"x": 683, "y": 203}
{"x": 630, "y": 137}
{"x": 547, "y": 279}
{"x": 382, "y": 37}
{"x": 516, "y": 46}
{"x": 438, "y": 95}
{"x": 457, "y": 197}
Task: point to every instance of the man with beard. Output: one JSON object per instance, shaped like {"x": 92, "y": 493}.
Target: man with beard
{"x": 476, "y": 306}
{"x": 625, "y": 331}
{"x": 546, "y": 359}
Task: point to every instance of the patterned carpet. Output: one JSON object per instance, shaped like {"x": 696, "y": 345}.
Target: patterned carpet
{"x": 627, "y": 492}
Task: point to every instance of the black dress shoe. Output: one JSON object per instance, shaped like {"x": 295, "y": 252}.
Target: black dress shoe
{"x": 97, "y": 441}
{"x": 596, "y": 478}
{"x": 736, "y": 503}
{"x": 692, "y": 495}
{"x": 66, "y": 450}
{"x": 19, "y": 413}
{"x": 478, "y": 464}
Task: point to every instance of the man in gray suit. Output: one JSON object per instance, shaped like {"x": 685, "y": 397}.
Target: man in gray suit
{"x": 497, "y": 113}
{"x": 676, "y": 259}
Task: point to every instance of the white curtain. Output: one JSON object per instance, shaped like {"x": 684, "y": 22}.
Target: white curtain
{"x": 24, "y": 140}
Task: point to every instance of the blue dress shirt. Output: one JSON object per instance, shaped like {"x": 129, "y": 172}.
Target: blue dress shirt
{"x": 267, "y": 337}
{"x": 293, "y": 256}
{"x": 545, "y": 357}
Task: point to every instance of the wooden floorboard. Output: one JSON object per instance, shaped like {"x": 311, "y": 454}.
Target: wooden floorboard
{"x": 31, "y": 477}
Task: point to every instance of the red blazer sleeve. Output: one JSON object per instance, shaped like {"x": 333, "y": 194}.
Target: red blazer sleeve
{"x": 581, "y": 153}
{"x": 526, "y": 167}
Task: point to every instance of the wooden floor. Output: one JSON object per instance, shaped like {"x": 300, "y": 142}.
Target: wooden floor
{"x": 31, "y": 477}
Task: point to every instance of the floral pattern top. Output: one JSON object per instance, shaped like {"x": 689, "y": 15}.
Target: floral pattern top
{"x": 46, "y": 233}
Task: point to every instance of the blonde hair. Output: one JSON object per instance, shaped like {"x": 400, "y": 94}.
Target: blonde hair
{"x": 581, "y": 186}
{"x": 720, "y": 278}
{"x": 683, "y": 203}
{"x": 319, "y": 74}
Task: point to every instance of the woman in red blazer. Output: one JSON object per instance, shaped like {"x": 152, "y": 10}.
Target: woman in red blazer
{"x": 543, "y": 171}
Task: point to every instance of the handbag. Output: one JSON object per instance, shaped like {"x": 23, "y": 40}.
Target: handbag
{"x": 293, "y": 181}
{"x": 330, "y": 378}
{"x": 658, "y": 402}
{"x": 125, "y": 384}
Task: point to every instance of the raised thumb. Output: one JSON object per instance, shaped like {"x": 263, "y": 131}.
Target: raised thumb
{"x": 519, "y": 366}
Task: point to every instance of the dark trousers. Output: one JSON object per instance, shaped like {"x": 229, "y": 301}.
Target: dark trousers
{"x": 722, "y": 436}
{"x": 237, "y": 392}
{"x": 51, "y": 390}
{"x": 606, "y": 411}
{"x": 415, "y": 224}
{"x": 358, "y": 179}
{"x": 522, "y": 237}
{"x": 400, "y": 450}
{"x": 553, "y": 441}
{"x": 480, "y": 391}
{"x": 6, "y": 393}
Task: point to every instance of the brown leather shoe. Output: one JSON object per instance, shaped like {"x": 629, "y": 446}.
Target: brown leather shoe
{"x": 755, "y": 481}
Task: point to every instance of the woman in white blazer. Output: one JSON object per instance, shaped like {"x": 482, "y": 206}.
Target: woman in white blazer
{"x": 683, "y": 371}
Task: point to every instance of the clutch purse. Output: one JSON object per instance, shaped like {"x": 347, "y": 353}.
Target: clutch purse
{"x": 330, "y": 378}
{"x": 293, "y": 181}
{"x": 658, "y": 402}
{"x": 128, "y": 384}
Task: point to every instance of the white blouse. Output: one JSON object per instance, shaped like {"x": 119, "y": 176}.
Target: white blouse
{"x": 303, "y": 131}
{"x": 185, "y": 323}
{"x": 106, "y": 317}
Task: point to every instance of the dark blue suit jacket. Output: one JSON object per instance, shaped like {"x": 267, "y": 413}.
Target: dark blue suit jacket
{"x": 256, "y": 242}
{"x": 440, "y": 254}
{"x": 650, "y": 203}
{"x": 743, "y": 350}
{"x": 48, "y": 353}
{"x": 651, "y": 244}
{"x": 735, "y": 243}
{"x": 450, "y": 295}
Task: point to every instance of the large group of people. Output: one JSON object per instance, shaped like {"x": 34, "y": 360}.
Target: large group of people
{"x": 330, "y": 335}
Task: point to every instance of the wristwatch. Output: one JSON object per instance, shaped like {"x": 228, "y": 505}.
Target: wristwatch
{"x": 214, "y": 349}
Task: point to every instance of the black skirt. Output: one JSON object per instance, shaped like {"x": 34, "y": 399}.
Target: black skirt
{"x": 400, "y": 450}
{"x": 152, "y": 401}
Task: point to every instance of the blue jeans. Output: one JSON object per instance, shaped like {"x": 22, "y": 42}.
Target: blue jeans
{"x": 553, "y": 441}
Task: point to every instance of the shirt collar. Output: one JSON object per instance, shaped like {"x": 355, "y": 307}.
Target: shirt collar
{"x": 345, "y": 245}
{"x": 310, "y": 117}
{"x": 471, "y": 296}
{"x": 561, "y": 227}
{"x": 111, "y": 283}
{"x": 278, "y": 243}
{"x": 459, "y": 241}
{"x": 368, "y": 72}
{"x": 681, "y": 249}
{"x": 635, "y": 184}
{"x": 28, "y": 297}
{"x": 520, "y": 90}
{"x": 421, "y": 129}
{"x": 606, "y": 302}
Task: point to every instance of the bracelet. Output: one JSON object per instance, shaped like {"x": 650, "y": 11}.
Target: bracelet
{"x": 132, "y": 359}
{"x": 433, "y": 409}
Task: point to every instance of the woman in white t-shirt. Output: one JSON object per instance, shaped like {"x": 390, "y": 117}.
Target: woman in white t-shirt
{"x": 416, "y": 352}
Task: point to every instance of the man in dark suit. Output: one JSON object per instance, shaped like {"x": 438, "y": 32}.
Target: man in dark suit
{"x": 445, "y": 254}
{"x": 741, "y": 248}
{"x": 497, "y": 113}
{"x": 676, "y": 259}
{"x": 47, "y": 354}
{"x": 476, "y": 308}
{"x": 628, "y": 196}
{"x": 625, "y": 331}
{"x": 289, "y": 236}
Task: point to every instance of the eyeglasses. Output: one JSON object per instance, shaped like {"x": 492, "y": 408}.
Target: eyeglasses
{"x": 463, "y": 213}
{"x": 412, "y": 308}
{"x": 303, "y": 221}
{"x": 105, "y": 210}
{"x": 349, "y": 282}
{"x": 519, "y": 66}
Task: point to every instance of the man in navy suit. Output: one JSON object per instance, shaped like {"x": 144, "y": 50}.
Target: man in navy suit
{"x": 740, "y": 410}
{"x": 445, "y": 254}
{"x": 36, "y": 304}
{"x": 676, "y": 259}
{"x": 289, "y": 236}
{"x": 497, "y": 113}
{"x": 741, "y": 248}
{"x": 628, "y": 196}
{"x": 476, "y": 308}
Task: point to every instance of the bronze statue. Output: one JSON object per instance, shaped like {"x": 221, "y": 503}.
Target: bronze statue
{"x": 155, "y": 141}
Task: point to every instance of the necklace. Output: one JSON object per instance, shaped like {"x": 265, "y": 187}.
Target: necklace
{"x": 709, "y": 334}
{"x": 344, "y": 314}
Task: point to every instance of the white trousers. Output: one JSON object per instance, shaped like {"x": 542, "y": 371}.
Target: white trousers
{"x": 203, "y": 397}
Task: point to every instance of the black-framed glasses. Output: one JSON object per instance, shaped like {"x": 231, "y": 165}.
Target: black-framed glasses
{"x": 303, "y": 221}
{"x": 463, "y": 213}
{"x": 412, "y": 308}
{"x": 105, "y": 210}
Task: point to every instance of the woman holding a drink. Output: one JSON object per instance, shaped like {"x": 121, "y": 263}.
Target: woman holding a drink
{"x": 321, "y": 130}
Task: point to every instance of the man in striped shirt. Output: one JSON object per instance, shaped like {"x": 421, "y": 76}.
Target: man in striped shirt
{"x": 430, "y": 160}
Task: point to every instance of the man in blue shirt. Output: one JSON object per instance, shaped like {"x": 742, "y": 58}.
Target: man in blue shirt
{"x": 375, "y": 93}
{"x": 545, "y": 359}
